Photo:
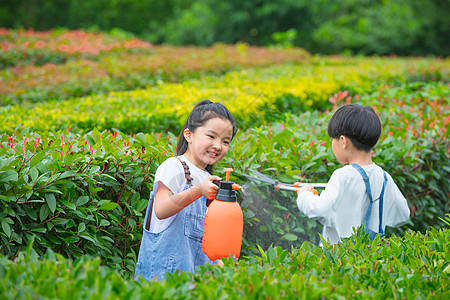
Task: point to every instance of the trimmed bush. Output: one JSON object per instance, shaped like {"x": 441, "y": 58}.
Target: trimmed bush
{"x": 77, "y": 194}
{"x": 93, "y": 202}
{"x": 254, "y": 96}
{"x": 413, "y": 148}
{"x": 413, "y": 266}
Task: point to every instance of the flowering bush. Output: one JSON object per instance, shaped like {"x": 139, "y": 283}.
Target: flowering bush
{"x": 58, "y": 46}
{"x": 40, "y": 66}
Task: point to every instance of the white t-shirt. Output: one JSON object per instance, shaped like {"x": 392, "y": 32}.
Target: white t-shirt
{"x": 344, "y": 202}
{"x": 171, "y": 174}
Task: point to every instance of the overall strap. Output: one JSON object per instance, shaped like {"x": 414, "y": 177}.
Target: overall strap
{"x": 369, "y": 193}
{"x": 189, "y": 179}
{"x": 187, "y": 172}
{"x": 380, "y": 228}
{"x": 187, "y": 175}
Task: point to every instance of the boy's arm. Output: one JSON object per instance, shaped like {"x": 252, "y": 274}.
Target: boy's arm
{"x": 398, "y": 211}
{"x": 319, "y": 206}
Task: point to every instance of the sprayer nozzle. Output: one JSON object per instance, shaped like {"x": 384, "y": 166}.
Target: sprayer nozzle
{"x": 278, "y": 186}
{"x": 236, "y": 187}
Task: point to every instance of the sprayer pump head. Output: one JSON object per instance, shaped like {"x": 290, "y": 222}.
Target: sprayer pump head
{"x": 227, "y": 188}
{"x": 226, "y": 192}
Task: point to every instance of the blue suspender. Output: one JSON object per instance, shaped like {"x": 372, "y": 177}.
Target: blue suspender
{"x": 369, "y": 209}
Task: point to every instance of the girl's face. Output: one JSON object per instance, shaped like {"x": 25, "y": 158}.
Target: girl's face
{"x": 209, "y": 143}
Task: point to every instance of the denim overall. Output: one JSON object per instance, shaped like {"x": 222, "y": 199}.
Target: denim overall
{"x": 372, "y": 233}
{"x": 179, "y": 246}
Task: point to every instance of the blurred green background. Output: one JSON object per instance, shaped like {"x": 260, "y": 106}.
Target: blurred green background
{"x": 365, "y": 27}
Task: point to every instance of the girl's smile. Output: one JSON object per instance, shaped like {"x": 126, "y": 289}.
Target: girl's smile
{"x": 209, "y": 143}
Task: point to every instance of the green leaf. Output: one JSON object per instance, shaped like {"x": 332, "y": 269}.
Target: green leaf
{"x": 34, "y": 174}
{"x": 70, "y": 239}
{"x": 289, "y": 237}
{"x": 317, "y": 156}
{"x": 87, "y": 237}
{"x": 81, "y": 227}
{"x": 104, "y": 222}
{"x": 5, "y": 198}
{"x": 91, "y": 141}
{"x": 54, "y": 239}
{"x": 68, "y": 204}
{"x": 108, "y": 206}
{"x": 131, "y": 222}
{"x": 137, "y": 182}
{"x": 19, "y": 191}
{"x": 69, "y": 159}
{"x": 37, "y": 159}
{"x": 51, "y": 201}
{"x": 82, "y": 200}
{"x": 67, "y": 174}
{"x": 30, "y": 212}
{"x": 44, "y": 212}
{"x": 6, "y": 229}
{"x": 9, "y": 175}
{"x": 39, "y": 229}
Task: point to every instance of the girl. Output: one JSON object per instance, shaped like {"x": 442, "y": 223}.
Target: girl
{"x": 173, "y": 226}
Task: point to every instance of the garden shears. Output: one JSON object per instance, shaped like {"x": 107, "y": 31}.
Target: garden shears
{"x": 281, "y": 185}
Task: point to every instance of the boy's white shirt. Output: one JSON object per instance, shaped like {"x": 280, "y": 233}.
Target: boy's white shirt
{"x": 171, "y": 174}
{"x": 344, "y": 202}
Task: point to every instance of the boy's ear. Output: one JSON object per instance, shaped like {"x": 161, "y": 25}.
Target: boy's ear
{"x": 345, "y": 141}
{"x": 187, "y": 134}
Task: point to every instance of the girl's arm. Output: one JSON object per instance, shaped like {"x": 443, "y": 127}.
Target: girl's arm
{"x": 168, "y": 204}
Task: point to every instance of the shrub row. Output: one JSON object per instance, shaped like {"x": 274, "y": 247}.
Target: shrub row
{"x": 86, "y": 193}
{"x": 77, "y": 194}
{"x": 23, "y": 47}
{"x": 79, "y": 63}
{"x": 413, "y": 266}
{"x": 254, "y": 96}
{"x": 414, "y": 148}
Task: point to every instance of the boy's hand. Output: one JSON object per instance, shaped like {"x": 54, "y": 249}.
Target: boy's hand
{"x": 308, "y": 188}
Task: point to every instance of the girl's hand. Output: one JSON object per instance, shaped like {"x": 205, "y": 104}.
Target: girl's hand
{"x": 308, "y": 188}
{"x": 208, "y": 188}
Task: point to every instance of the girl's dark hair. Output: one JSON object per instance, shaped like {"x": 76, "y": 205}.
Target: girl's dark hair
{"x": 200, "y": 114}
{"x": 359, "y": 123}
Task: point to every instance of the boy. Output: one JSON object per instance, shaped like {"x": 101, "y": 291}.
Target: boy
{"x": 344, "y": 204}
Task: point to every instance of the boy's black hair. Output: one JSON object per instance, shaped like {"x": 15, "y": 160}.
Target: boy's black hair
{"x": 359, "y": 123}
{"x": 200, "y": 114}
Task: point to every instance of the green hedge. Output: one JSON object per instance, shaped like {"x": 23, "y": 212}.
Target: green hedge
{"x": 413, "y": 266}
{"x": 255, "y": 96}
{"x": 413, "y": 148}
{"x": 77, "y": 194}
{"x": 86, "y": 194}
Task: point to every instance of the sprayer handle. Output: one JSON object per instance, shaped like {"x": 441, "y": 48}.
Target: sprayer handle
{"x": 228, "y": 171}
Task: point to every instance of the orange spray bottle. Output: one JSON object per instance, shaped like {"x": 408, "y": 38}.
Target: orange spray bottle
{"x": 224, "y": 222}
